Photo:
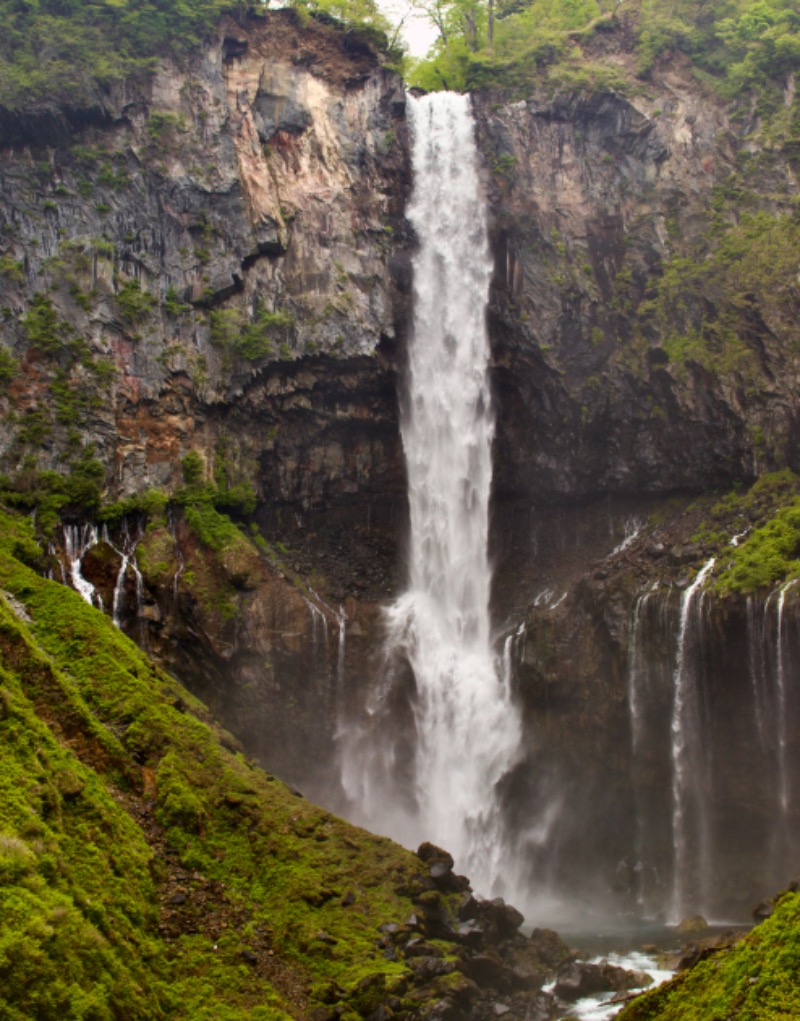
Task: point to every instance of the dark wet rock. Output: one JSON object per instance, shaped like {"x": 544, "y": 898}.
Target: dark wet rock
{"x": 418, "y": 947}
{"x": 699, "y": 950}
{"x": 504, "y": 916}
{"x": 427, "y": 968}
{"x": 550, "y": 948}
{"x": 486, "y": 970}
{"x": 691, "y": 924}
{"x": 469, "y": 908}
{"x": 581, "y": 978}
{"x": 431, "y": 854}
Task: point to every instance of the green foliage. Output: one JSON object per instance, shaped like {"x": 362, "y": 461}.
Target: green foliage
{"x": 257, "y": 338}
{"x": 737, "y": 44}
{"x": 152, "y": 503}
{"x": 363, "y": 15}
{"x": 44, "y": 329}
{"x": 704, "y": 301}
{"x": 8, "y": 368}
{"x": 54, "y": 495}
{"x": 252, "y": 341}
{"x": 57, "y": 51}
{"x": 769, "y": 555}
{"x": 134, "y": 302}
{"x": 172, "y": 304}
{"x": 193, "y": 466}
{"x": 12, "y": 269}
{"x": 178, "y": 803}
{"x": 213, "y": 529}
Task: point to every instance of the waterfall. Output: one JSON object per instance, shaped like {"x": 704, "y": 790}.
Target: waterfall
{"x": 466, "y": 730}
{"x": 689, "y": 784}
{"x": 78, "y": 540}
{"x": 127, "y": 556}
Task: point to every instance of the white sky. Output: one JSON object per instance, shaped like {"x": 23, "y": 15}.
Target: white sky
{"x": 418, "y": 32}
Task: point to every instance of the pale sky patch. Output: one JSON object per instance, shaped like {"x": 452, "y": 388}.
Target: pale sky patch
{"x": 417, "y": 31}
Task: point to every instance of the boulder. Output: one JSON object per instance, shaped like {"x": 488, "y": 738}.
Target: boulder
{"x": 694, "y": 923}
{"x": 581, "y": 978}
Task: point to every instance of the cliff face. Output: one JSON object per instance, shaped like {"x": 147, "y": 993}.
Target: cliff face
{"x": 208, "y": 232}
{"x": 624, "y": 364}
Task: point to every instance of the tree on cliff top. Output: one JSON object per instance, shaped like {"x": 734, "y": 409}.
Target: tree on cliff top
{"x": 516, "y": 43}
{"x": 55, "y": 49}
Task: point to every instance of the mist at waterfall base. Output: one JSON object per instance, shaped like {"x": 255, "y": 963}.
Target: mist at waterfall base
{"x": 442, "y": 729}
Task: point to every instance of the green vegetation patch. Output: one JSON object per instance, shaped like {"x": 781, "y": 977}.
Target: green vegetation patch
{"x": 736, "y": 45}
{"x": 59, "y": 51}
{"x": 766, "y": 522}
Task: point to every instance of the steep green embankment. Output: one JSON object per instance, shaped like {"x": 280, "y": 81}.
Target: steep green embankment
{"x": 147, "y": 870}
{"x": 754, "y": 980}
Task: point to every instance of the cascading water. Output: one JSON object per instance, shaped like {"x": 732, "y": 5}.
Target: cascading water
{"x": 690, "y": 780}
{"x": 78, "y": 540}
{"x": 780, "y": 682}
{"x": 466, "y": 728}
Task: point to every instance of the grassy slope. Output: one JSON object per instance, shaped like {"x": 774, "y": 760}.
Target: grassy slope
{"x": 754, "y": 980}
{"x": 145, "y": 870}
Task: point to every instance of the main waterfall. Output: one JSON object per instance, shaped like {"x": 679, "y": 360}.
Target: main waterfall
{"x": 466, "y": 730}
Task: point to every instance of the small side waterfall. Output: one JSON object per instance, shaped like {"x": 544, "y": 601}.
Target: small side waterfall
{"x": 78, "y": 540}
{"x": 466, "y": 729}
{"x": 691, "y": 777}
{"x": 784, "y": 791}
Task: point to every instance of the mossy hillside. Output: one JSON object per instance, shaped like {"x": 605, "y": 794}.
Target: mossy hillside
{"x": 754, "y": 980}
{"x": 113, "y": 777}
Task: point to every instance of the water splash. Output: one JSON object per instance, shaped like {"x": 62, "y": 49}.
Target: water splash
{"x": 467, "y": 729}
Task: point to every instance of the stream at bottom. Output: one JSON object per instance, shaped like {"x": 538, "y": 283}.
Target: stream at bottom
{"x": 635, "y": 945}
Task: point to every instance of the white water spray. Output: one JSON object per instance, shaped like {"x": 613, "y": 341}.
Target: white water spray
{"x": 467, "y": 728}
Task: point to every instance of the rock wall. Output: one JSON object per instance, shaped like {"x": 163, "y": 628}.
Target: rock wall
{"x": 220, "y": 234}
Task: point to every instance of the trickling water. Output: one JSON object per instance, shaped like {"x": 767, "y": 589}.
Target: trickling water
{"x": 780, "y": 684}
{"x": 78, "y": 540}
{"x": 341, "y": 657}
{"x": 687, "y": 784}
{"x": 467, "y": 729}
